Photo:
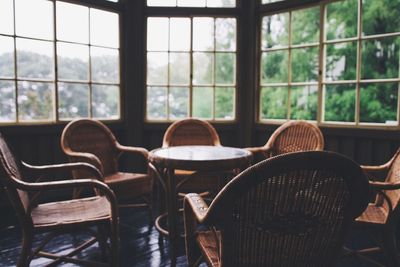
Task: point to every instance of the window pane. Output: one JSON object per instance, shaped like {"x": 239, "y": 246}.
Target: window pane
{"x": 273, "y": 102}
{"x": 157, "y": 68}
{"x": 105, "y": 64}
{"x": 35, "y": 101}
{"x": 380, "y": 16}
{"x": 73, "y": 100}
{"x": 35, "y": 59}
{"x": 203, "y": 68}
{"x": 380, "y": 58}
{"x": 341, "y": 61}
{"x": 192, "y": 3}
{"x": 225, "y": 34}
{"x": 72, "y": 23}
{"x": 341, "y": 19}
{"x": 6, "y": 17}
{"x": 178, "y": 102}
{"x": 179, "y": 68}
{"x": 34, "y": 18}
{"x": 224, "y": 103}
{"x": 269, "y": 1}
{"x": 221, "y": 3}
{"x": 6, "y": 57}
{"x": 105, "y": 101}
{"x": 73, "y": 61}
{"x": 225, "y": 67}
{"x": 340, "y": 103}
{"x": 7, "y": 101}
{"x": 203, "y": 102}
{"x": 157, "y": 34}
{"x": 305, "y": 64}
{"x": 274, "y": 67}
{"x": 304, "y": 100}
{"x": 305, "y": 26}
{"x": 161, "y": 2}
{"x": 179, "y": 34}
{"x": 104, "y": 28}
{"x": 275, "y": 31}
{"x": 156, "y": 103}
{"x": 379, "y": 102}
{"x": 203, "y": 34}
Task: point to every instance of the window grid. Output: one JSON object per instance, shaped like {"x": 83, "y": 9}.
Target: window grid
{"x": 322, "y": 80}
{"x": 191, "y": 85}
{"x": 289, "y": 84}
{"x": 55, "y": 80}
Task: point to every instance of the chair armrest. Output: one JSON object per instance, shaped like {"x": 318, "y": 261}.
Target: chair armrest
{"x": 194, "y": 212}
{"x": 259, "y": 149}
{"x": 376, "y": 172}
{"x": 56, "y": 168}
{"x": 131, "y": 149}
{"x": 85, "y": 157}
{"x": 384, "y": 185}
{"x": 70, "y": 184}
{"x": 197, "y": 205}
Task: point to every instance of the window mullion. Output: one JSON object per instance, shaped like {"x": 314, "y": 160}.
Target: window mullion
{"x": 289, "y": 67}
{"x": 358, "y": 66}
{"x": 90, "y": 69}
{"x": 168, "y": 69}
{"x": 191, "y": 70}
{"x": 15, "y": 68}
{"x": 55, "y": 92}
{"x": 321, "y": 67}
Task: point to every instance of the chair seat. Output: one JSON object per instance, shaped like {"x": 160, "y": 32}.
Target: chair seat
{"x": 373, "y": 214}
{"x": 84, "y": 210}
{"x": 126, "y": 184}
{"x": 208, "y": 242}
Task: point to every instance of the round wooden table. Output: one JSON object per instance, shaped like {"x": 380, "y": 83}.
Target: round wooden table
{"x": 192, "y": 158}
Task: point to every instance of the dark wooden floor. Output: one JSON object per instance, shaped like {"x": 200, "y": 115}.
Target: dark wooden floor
{"x": 139, "y": 245}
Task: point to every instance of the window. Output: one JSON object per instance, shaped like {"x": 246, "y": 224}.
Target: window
{"x": 289, "y": 65}
{"x": 350, "y": 76}
{"x": 191, "y": 68}
{"x": 192, "y": 3}
{"x": 57, "y": 70}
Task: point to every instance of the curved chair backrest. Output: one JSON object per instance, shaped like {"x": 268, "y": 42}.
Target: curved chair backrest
{"x": 191, "y": 132}
{"x": 295, "y": 136}
{"x": 393, "y": 177}
{"x": 10, "y": 176}
{"x": 290, "y": 210}
{"x": 91, "y": 136}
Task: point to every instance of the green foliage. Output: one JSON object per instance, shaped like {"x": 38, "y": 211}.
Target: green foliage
{"x": 379, "y": 60}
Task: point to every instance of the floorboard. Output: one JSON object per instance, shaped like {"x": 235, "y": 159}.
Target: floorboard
{"x": 139, "y": 244}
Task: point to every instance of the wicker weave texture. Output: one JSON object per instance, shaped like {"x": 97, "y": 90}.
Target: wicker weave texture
{"x": 290, "y": 210}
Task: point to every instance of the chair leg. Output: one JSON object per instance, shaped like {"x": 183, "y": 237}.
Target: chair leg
{"x": 114, "y": 261}
{"x": 102, "y": 240}
{"x": 26, "y": 250}
{"x": 390, "y": 248}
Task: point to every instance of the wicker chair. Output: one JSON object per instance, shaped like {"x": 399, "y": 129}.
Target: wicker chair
{"x": 291, "y": 136}
{"x": 91, "y": 141}
{"x": 23, "y": 185}
{"x": 289, "y": 210}
{"x": 193, "y": 132}
{"x": 382, "y": 217}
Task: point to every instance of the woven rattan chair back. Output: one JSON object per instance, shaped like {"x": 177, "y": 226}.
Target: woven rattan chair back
{"x": 191, "y": 132}
{"x": 295, "y": 136}
{"x": 393, "y": 177}
{"x": 93, "y": 137}
{"x": 10, "y": 170}
{"x": 290, "y": 210}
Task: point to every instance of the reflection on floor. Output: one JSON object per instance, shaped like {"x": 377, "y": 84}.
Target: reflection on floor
{"x": 139, "y": 245}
